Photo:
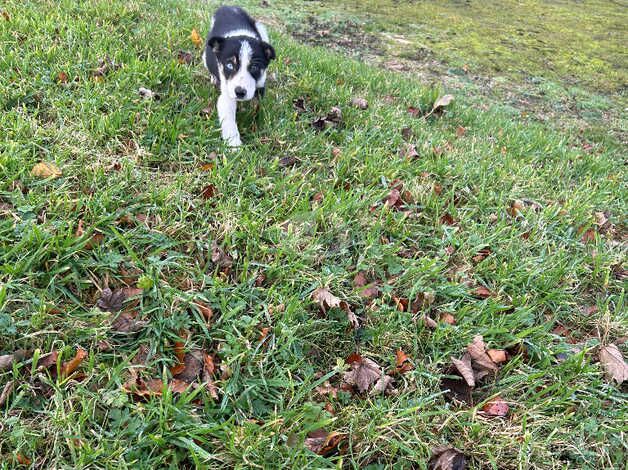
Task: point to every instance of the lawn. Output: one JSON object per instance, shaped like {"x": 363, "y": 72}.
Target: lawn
{"x": 302, "y": 302}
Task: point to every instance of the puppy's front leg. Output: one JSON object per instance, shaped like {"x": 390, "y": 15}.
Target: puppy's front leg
{"x": 227, "y": 116}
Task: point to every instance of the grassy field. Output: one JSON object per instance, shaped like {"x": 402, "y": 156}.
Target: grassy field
{"x": 499, "y": 226}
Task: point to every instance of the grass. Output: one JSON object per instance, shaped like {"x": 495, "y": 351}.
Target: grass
{"x": 133, "y": 170}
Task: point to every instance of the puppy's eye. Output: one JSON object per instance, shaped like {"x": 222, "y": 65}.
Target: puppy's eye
{"x": 253, "y": 69}
{"x": 229, "y": 66}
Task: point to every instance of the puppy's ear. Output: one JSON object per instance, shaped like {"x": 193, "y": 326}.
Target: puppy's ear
{"x": 215, "y": 43}
{"x": 268, "y": 50}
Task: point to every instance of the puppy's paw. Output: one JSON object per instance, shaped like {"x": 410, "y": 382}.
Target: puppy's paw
{"x": 234, "y": 141}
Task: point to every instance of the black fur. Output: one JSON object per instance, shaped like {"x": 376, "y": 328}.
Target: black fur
{"x": 226, "y": 51}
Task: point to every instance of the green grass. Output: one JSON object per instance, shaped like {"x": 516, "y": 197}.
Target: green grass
{"x": 564, "y": 412}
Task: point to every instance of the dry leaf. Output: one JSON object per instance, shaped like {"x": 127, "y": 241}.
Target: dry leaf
{"x": 62, "y": 77}
{"x": 70, "y": 366}
{"x": 406, "y": 133}
{"x": 208, "y": 371}
{"x": 447, "y": 317}
{"x": 209, "y": 191}
{"x": 383, "y": 385}
{"x": 447, "y": 219}
{"x": 111, "y": 301}
{"x": 429, "y": 322}
{"x": 447, "y": 458}
{"x": 408, "y": 151}
{"x": 6, "y": 361}
{"x": 327, "y": 389}
{"x": 422, "y": 301}
{"x": 46, "y": 170}
{"x": 497, "y": 355}
{"x": 193, "y": 366}
{"x": 220, "y": 257}
{"x": 401, "y": 303}
{"x": 443, "y": 101}
{"x": 184, "y": 57}
{"x": 460, "y": 131}
{"x": 179, "y": 352}
{"x": 588, "y": 236}
{"x": 482, "y": 292}
{"x": 363, "y": 374}
{"x": 403, "y": 363}
{"x": 196, "y": 38}
{"x": 353, "y": 319}
{"x": 22, "y": 460}
{"x": 614, "y": 363}
{"x": 127, "y": 323}
{"x": 477, "y": 350}
{"x": 496, "y": 407}
{"x": 205, "y": 310}
{"x": 6, "y": 391}
{"x": 360, "y": 103}
{"x": 464, "y": 367}
{"x": 325, "y": 299}
{"x": 414, "y": 112}
{"x": 323, "y": 443}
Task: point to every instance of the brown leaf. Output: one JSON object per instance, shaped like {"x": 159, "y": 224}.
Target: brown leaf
{"x": 383, "y": 385}
{"x": 442, "y": 102}
{"x": 318, "y": 197}
{"x": 299, "y": 105}
{"x": 22, "y": 459}
{"x": 184, "y": 57}
{"x": 588, "y": 236}
{"x": 360, "y": 103}
{"x": 196, "y": 38}
{"x": 406, "y": 133}
{"x": 360, "y": 279}
{"x": 6, "y": 391}
{"x": 208, "y": 371}
{"x": 70, "y": 366}
{"x": 288, "y": 161}
{"x": 482, "y": 255}
{"x": 327, "y": 389}
{"x": 6, "y": 16}
{"x": 193, "y": 362}
{"x": 423, "y": 301}
{"x": 179, "y": 352}
{"x": 363, "y": 374}
{"x": 403, "y": 363}
{"x": 447, "y": 317}
{"x": 497, "y": 355}
{"x": 429, "y": 322}
{"x": 205, "y": 310}
{"x": 460, "y": 131}
{"x": 463, "y": 366}
{"x": 111, "y": 301}
{"x": 178, "y": 386}
{"x": 515, "y": 208}
{"x": 263, "y": 334}
{"x": 414, "y": 112}
{"x": 477, "y": 351}
{"x": 209, "y": 191}
{"x": 482, "y": 292}
{"x": 6, "y": 361}
{"x": 613, "y": 363}
{"x": 325, "y": 299}
{"x": 47, "y": 361}
{"x": 408, "y": 151}
{"x": 323, "y": 443}
{"x": 353, "y": 319}
{"x": 600, "y": 219}
{"x": 447, "y": 219}
{"x": 127, "y": 323}
{"x": 46, "y": 170}
{"x": 496, "y": 407}
{"x": 334, "y": 115}
{"x": 447, "y": 458}
{"x": 336, "y": 152}
{"x": 401, "y": 303}
{"x": 220, "y": 257}
{"x": 62, "y": 77}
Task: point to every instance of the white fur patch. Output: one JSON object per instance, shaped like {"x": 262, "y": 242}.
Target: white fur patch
{"x": 243, "y": 78}
{"x": 241, "y": 32}
{"x": 261, "y": 29}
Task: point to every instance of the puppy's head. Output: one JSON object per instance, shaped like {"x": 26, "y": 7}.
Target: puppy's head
{"x": 242, "y": 63}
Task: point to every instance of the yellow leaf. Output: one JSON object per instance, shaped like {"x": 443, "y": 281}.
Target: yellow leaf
{"x": 196, "y": 38}
{"x": 46, "y": 170}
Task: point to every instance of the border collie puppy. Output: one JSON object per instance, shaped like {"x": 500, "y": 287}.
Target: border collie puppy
{"x": 236, "y": 55}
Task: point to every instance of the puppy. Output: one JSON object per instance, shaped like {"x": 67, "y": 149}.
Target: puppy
{"x": 237, "y": 53}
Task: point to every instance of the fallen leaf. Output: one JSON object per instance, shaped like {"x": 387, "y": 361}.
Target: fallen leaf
{"x": 403, "y": 364}
{"x": 408, "y": 151}
{"x": 383, "y": 385}
{"x": 104, "y": 67}
{"x": 360, "y": 103}
{"x": 366, "y": 290}
{"x": 600, "y": 219}
{"x": 62, "y": 77}
{"x": 613, "y": 363}
{"x": 447, "y": 458}
{"x": 442, "y": 102}
{"x": 146, "y": 93}
{"x": 588, "y": 236}
{"x": 406, "y": 133}
{"x": 447, "y": 219}
{"x": 325, "y": 299}
{"x": 495, "y": 407}
{"x": 220, "y": 257}
{"x": 209, "y": 191}
{"x": 205, "y": 310}
{"x": 184, "y": 57}
{"x": 196, "y": 38}
{"x": 336, "y": 152}
{"x": 429, "y": 322}
{"x": 208, "y": 371}
{"x": 318, "y": 197}
{"x": 422, "y": 301}
{"x": 47, "y": 360}
{"x": 414, "y": 112}
{"x": 6, "y": 361}
{"x": 70, "y": 366}
{"x": 46, "y": 170}
{"x": 179, "y": 352}
{"x": 482, "y": 255}
{"x": 111, "y": 301}
{"x": 323, "y": 443}
{"x": 263, "y": 334}
{"x": 460, "y": 131}
{"x": 327, "y": 389}
{"x": 497, "y": 355}
{"x": 515, "y": 208}
{"x": 482, "y": 292}
{"x": 22, "y": 460}
{"x": 401, "y": 303}
{"x": 363, "y": 374}
{"x": 299, "y": 105}
{"x": 127, "y": 323}
{"x": 288, "y": 161}
{"x": 463, "y": 366}
{"x": 477, "y": 350}
{"x": 6, "y": 391}
{"x": 448, "y": 318}
{"x": 193, "y": 362}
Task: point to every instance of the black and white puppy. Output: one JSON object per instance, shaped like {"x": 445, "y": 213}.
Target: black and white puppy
{"x": 236, "y": 54}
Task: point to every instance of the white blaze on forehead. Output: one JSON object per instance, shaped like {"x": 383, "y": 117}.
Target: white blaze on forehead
{"x": 241, "y": 32}
{"x": 243, "y": 77}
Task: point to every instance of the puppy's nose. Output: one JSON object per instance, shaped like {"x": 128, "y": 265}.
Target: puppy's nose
{"x": 240, "y": 92}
